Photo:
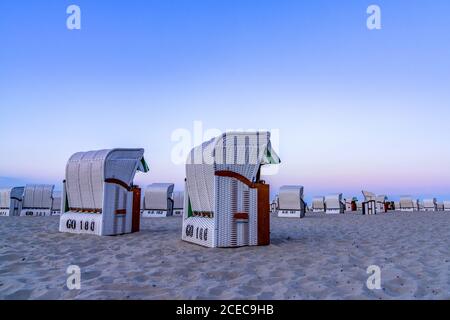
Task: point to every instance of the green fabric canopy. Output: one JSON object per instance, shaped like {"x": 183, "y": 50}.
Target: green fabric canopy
{"x": 143, "y": 166}
{"x": 270, "y": 157}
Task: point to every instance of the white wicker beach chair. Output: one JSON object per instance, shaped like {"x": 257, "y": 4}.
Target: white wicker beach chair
{"x": 291, "y": 203}
{"x": 318, "y": 204}
{"x": 11, "y": 201}
{"x": 351, "y": 204}
{"x": 369, "y": 196}
{"x": 226, "y": 203}
{"x": 420, "y": 205}
{"x": 334, "y": 204}
{"x": 178, "y": 203}
{"x": 446, "y": 205}
{"x": 407, "y": 204}
{"x": 37, "y": 200}
{"x": 56, "y": 204}
{"x": 5, "y": 202}
{"x": 274, "y": 205}
{"x": 158, "y": 200}
{"x": 374, "y": 204}
{"x": 369, "y": 206}
{"x": 98, "y": 194}
{"x": 430, "y": 205}
{"x": 359, "y": 205}
{"x": 382, "y": 203}
{"x": 348, "y": 204}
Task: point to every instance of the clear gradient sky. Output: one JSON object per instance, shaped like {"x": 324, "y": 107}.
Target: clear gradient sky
{"x": 355, "y": 108}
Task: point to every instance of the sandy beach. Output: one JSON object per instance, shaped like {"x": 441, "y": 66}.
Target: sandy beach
{"x": 319, "y": 257}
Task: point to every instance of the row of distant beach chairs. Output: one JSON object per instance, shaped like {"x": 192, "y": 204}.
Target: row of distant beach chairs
{"x": 225, "y": 202}
{"x": 290, "y": 203}
{"x": 32, "y": 200}
{"x": 159, "y": 200}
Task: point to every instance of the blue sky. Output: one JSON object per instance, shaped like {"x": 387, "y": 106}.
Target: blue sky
{"x": 355, "y": 108}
